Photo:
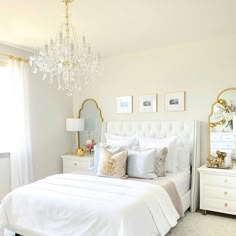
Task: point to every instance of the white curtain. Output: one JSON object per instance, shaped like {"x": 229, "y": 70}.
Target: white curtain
{"x": 19, "y": 125}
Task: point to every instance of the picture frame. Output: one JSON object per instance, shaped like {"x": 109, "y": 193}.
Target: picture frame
{"x": 148, "y": 103}
{"x": 125, "y": 104}
{"x": 175, "y": 101}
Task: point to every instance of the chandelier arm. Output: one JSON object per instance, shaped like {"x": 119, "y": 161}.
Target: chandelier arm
{"x": 67, "y": 19}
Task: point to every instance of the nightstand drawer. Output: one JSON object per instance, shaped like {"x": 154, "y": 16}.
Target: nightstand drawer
{"x": 72, "y": 163}
{"x": 228, "y": 138}
{"x": 222, "y": 145}
{"x": 220, "y": 193}
{"x": 224, "y": 205}
{"x": 227, "y": 181}
{"x": 75, "y": 164}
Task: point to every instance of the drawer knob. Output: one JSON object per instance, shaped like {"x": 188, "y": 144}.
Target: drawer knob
{"x": 75, "y": 164}
{"x": 225, "y": 193}
{"x": 225, "y": 181}
{"x": 226, "y": 204}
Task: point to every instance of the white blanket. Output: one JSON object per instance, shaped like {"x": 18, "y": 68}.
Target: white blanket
{"x": 79, "y": 205}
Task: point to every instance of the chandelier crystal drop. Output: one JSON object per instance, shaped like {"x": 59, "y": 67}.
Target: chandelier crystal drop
{"x": 65, "y": 60}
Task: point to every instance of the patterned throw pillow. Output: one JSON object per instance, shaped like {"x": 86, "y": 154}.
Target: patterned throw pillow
{"x": 161, "y": 161}
{"x": 112, "y": 165}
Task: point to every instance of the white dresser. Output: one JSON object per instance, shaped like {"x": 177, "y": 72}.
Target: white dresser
{"x": 73, "y": 163}
{"x": 223, "y": 141}
{"x": 218, "y": 190}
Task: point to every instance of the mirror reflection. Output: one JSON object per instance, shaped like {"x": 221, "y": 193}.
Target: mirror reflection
{"x": 93, "y": 119}
{"x": 222, "y": 124}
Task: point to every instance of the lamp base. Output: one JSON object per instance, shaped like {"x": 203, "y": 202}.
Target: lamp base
{"x": 79, "y": 152}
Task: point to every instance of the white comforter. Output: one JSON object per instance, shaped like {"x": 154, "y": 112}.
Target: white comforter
{"x": 79, "y": 205}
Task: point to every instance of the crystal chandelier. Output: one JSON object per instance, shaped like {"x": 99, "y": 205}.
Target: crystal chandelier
{"x": 66, "y": 60}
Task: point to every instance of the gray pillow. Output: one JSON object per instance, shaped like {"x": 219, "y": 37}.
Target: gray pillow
{"x": 160, "y": 167}
{"x": 141, "y": 164}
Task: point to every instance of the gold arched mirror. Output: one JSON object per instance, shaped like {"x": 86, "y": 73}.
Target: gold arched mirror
{"x": 92, "y": 115}
{"x": 222, "y": 124}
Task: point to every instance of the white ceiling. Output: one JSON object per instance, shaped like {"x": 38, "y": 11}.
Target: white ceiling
{"x": 117, "y": 26}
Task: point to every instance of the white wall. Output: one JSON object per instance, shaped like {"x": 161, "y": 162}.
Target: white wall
{"x": 48, "y": 111}
{"x": 202, "y": 69}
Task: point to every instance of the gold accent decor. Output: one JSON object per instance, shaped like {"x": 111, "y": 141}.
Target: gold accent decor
{"x": 226, "y": 204}
{"x": 216, "y": 162}
{"x": 225, "y": 193}
{"x": 79, "y": 152}
{"x": 108, "y": 166}
{"x": 14, "y": 57}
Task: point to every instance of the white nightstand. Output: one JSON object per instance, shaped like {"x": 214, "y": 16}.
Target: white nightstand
{"x": 218, "y": 190}
{"x": 73, "y": 163}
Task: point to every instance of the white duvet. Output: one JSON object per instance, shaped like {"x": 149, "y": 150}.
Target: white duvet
{"x": 82, "y": 205}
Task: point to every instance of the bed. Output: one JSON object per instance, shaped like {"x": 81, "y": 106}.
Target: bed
{"x": 79, "y": 205}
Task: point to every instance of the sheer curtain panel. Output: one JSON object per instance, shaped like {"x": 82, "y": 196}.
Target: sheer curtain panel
{"x": 19, "y": 125}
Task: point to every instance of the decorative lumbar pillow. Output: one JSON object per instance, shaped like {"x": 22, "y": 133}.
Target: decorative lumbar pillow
{"x": 141, "y": 164}
{"x": 112, "y": 165}
{"x": 161, "y": 162}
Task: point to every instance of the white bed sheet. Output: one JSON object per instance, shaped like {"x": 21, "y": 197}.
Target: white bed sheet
{"x": 182, "y": 180}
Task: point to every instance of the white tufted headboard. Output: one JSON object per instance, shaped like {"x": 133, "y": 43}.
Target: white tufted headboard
{"x": 186, "y": 130}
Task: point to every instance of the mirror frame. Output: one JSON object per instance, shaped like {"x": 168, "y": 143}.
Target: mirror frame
{"x": 209, "y": 116}
{"x": 93, "y": 100}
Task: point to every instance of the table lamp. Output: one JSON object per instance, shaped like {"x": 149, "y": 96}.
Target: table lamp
{"x": 76, "y": 125}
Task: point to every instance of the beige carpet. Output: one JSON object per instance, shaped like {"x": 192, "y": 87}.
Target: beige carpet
{"x": 196, "y": 224}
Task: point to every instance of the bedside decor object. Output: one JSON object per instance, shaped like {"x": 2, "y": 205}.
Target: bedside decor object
{"x": 124, "y": 104}
{"x": 175, "y": 101}
{"x": 219, "y": 161}
{"x": 89, "y": 146}
{"x": 65, "y": 60}
{"x": 148, "y": 103}
{"x": 75, "y": 125}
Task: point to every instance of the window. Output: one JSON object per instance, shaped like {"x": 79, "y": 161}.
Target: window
{"x": 5, "y": 108}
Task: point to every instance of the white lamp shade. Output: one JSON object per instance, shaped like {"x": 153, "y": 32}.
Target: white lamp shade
{"x": 74, "y": 124}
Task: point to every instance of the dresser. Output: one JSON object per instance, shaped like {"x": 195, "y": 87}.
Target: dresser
{"x": 223, "y": 141}
{"x": 218, "y": 190}
{"x": 73, "y": 163}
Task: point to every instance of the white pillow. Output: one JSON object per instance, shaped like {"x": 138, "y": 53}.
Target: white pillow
{"x": 169, "y": 143}
{"x": 121, "y": 141}
{"x": 183, "y": 156}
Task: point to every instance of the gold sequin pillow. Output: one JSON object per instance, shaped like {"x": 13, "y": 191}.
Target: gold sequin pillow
{"x": 112, "y": 165}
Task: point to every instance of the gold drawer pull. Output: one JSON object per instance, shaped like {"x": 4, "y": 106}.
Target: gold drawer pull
{"x": 225, "y": 181}
{"x": 225, "y": 193}
{"x": 226, "y": 204}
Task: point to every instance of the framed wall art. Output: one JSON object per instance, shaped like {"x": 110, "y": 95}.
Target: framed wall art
{"x": 175, "y": 101}
{"x": 148, "y": 103}
{"x": 124, "y": 104}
